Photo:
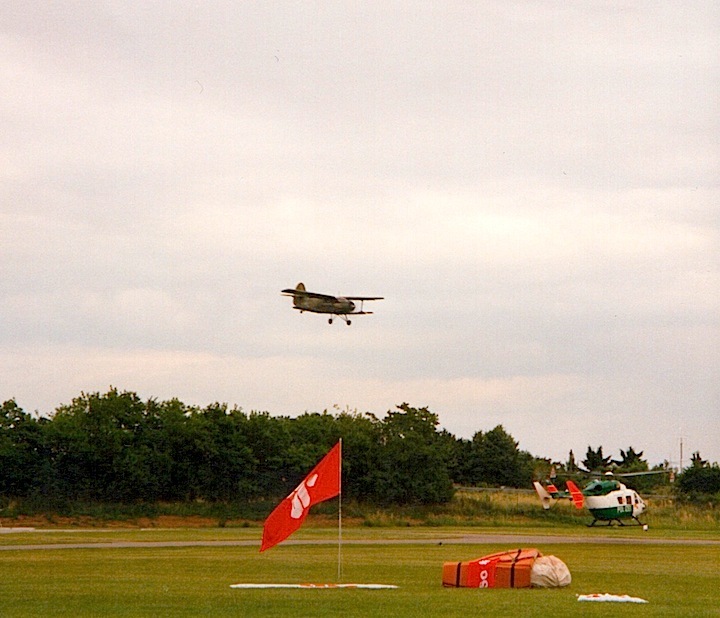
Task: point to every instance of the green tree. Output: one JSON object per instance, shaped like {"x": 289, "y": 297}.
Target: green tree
{"x": 700, "y": 480}
{"x": 22, "y": 456}
{"x": 269, "y": 437}
{"x": 168, "y": 434}
{"x": 360, "y": 444}
{"x": 494, "y": 459}
{"x": 631, "y": 461}
{"x": 223, "y": 462}
{"x": 595, "y": 461}
{"x": 475, "y": 467}
{"x": 92, "y": 441}
{"x": 461, "y": 465}
{"x": 454, "y": 452}
{"x": 696, "y": 461}
{"x": 544, "y": 468}
{"x": 497, "y": 460}
{"x": 571, "y": 466}
{"x": 312, "y": 435}
{"x": 409, "y": 466}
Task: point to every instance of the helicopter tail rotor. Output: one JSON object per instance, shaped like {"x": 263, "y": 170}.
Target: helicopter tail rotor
{"x": 543, "y": 494}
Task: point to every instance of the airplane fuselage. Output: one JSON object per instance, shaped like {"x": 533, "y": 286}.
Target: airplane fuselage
{"x": 335, "y": 306}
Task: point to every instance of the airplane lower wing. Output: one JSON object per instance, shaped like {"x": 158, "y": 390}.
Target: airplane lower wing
{"x": 302, "y": 309}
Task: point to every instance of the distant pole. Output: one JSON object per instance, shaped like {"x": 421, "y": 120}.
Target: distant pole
{"x": 681, "y": 452}
{"x": 339, "y": 571}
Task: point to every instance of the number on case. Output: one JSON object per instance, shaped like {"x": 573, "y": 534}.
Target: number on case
{"x": 484, "y": 579}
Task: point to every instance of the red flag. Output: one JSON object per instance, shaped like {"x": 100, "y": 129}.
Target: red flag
{"x": 322, "y": 483}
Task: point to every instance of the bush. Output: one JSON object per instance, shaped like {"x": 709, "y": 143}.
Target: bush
{"x": 700, "y": 482}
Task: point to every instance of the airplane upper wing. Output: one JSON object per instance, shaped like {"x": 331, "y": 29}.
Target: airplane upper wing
{"x": 292, "y": 292}
{"x": 296, "y": 292}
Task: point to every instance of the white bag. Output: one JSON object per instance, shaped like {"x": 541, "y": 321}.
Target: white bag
{"x": 549, "y": 572}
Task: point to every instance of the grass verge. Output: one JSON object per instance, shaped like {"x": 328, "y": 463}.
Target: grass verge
{"x": 510, "y": 508}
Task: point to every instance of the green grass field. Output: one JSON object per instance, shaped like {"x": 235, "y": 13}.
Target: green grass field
{"x": 677, "y": 580}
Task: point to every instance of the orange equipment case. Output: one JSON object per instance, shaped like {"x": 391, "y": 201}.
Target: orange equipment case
{"x": 505, "y": 569}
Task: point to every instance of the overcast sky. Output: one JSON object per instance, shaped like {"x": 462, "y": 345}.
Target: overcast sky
{"x": 532, "y": 186}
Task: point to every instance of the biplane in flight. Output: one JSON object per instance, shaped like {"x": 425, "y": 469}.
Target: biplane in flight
{"x": 342, "y": 306}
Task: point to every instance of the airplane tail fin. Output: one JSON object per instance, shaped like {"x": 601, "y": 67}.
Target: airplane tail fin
{"x": 576, "y": 494}
{"x": 300, "y": 287}
{"x": 544, "y": 496}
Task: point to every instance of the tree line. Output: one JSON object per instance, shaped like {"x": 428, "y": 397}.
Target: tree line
{"x": 115, "y": 447}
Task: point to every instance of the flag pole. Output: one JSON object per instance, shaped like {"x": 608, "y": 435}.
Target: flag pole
{"x": 339, "y": 574}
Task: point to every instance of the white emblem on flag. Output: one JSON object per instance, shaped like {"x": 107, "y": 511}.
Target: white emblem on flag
{"x": 300, "y": 498}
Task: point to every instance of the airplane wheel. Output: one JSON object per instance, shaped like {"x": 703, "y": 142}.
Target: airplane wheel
{"x": 329, "y": 320}
{"x": 349, "y": 322}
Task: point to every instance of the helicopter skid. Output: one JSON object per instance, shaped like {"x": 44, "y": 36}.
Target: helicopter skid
{"x": 610, "y": 522}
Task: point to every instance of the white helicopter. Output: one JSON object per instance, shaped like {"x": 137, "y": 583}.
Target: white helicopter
{"x": 607, "y": 499}
{"x": 342, "y": 306}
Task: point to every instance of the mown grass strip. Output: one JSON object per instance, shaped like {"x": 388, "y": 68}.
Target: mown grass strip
{"x": 191, "y": 581}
